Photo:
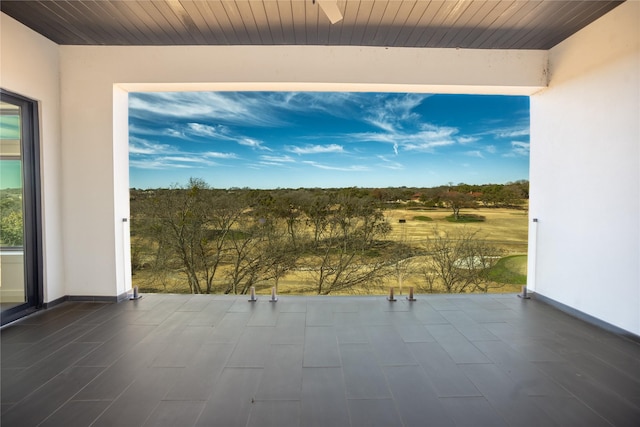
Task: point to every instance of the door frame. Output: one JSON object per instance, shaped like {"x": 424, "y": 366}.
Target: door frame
{"x": 32, "y": 207}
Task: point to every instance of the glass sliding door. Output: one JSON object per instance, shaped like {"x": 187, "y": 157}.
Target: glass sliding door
{"x": 20, "y": 251}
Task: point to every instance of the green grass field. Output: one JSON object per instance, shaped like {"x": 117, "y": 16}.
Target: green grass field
{"x": 510, "y": 270}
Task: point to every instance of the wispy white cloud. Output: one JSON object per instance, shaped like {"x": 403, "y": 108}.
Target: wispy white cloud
{"x": 316, "y": 149}
{"x": 426, "y": 138}
{"x": 215, "y": 131}
{"x": 336, "y": 104}
{"x": 187, "y": 159}
{"x": 253, "y": 143}
{"x": 245, "y": 108}
{"x": 156, "y": 131}
{"x": 428, "y": 146}
{"x": 170, "y": 104}
{"x": 513, "y": 132}
{"x": 518, "y": 149}
{"x": 277, "y": 159}
{"x": 394, "y": 116}
{"x": 467, "y": 139}
{"x": 475, "y": 153}
{"x": 145, "y": 154}
{"x": 156, "y": 164}
{"x": 146, "y": 130}
{"x": 143, "y": 146}
{"x": 352, "y": 168}
{"x": 170, "y": 162}
{"x": 513, "y": 127}
{"x": 393, "y": 113}
{"x": 175, "y": 133}
{"x": 228, "y": 107}
{"x": 267, "y": 163}
{"x": 217, "y": 155}
{"x": 385, "y": 112}
{"x": 390, "y": 164}
{"x": 193, "y": 130}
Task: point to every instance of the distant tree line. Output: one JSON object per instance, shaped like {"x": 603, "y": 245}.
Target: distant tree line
{"x": 228, "y": 240}
{"x": 511, "y": 194}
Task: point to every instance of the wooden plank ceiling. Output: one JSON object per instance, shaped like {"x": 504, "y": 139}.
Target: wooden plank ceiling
{"x": 480, "y": 24}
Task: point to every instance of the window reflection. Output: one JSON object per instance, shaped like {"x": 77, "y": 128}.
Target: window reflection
{"x": 12, "y": 283}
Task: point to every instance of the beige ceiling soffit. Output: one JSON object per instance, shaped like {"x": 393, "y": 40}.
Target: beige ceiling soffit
{"x": 330, "y": 8}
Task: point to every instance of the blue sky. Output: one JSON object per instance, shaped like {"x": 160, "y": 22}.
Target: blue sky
{"x": 326, "y": 139}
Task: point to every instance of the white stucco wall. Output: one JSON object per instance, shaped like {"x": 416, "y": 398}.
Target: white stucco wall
{"x": 94, "y": 104}
{"x": 29, "y": 66}
{"x": 585, "y": 179}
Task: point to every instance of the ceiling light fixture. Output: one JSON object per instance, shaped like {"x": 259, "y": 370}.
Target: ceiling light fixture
{"x": 331, "y": 9}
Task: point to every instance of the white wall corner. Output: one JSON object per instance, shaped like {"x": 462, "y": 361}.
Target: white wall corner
{"x": 585, "y": 137}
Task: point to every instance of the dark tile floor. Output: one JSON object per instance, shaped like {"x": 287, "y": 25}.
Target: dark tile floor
{"x": 182, "y": 360}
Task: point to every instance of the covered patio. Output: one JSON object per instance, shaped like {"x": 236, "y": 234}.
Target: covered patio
{"x": 90, "y": 356}
{"x": 443, "y": 360}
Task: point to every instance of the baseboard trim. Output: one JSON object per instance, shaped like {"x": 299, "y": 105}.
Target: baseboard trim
{"x": 87, "y": 298}
{"x": 586, "y": 317}
{"x": 54, "y": 302}
{"x": 91, "y": 298}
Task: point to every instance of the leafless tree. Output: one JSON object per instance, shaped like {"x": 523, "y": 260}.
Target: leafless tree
{"x": 191, "y": 227}
{"x": 341, "y": 257}
{"x": 457, "y": 263}
{"x": 259, "y": 251}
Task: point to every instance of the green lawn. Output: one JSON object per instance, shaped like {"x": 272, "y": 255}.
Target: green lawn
{"x": 510, "y": 270}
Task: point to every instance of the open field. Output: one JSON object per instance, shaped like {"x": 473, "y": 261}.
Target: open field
{"x": 507, "y": 228}
{"x": 504, "y": 228}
